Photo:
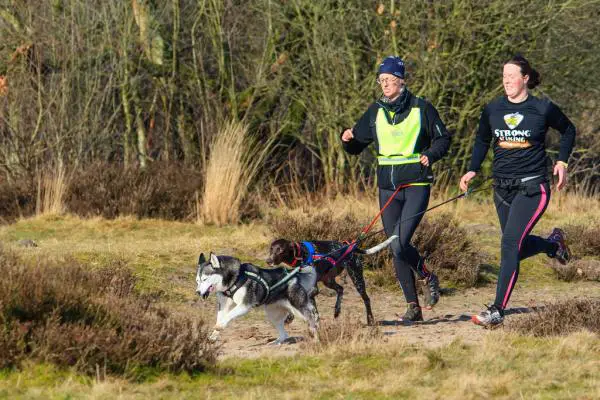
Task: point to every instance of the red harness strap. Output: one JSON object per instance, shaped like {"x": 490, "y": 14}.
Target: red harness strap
{"x": 333, "y": 261}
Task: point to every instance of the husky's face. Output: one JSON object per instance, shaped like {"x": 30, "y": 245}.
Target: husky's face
{"x": 208, "y": 276}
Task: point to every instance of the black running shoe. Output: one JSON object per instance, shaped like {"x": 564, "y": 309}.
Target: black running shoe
{"x": 413, "y": 313}
{"x": 431, "y": 290}
{"x": 489, "y": 318}
{"x": 563, "y": 255}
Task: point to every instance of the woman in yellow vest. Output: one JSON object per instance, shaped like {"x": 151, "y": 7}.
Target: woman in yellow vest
{"x": 410, "y": 137}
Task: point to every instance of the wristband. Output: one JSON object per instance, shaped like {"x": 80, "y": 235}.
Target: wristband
{"x": 564, "y": 164}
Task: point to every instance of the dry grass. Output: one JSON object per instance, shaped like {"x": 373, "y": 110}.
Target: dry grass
{"x": 450, "y": 250}
{"x": 343, "y": 333}
{"x": 500, "y": 366}
{"x": 233, "y": 163}
{"x": 352, "y": 362}
{"x": 583, "y": 239}
{"x": 560, "y": 318}
{"x": 304, "y": 224}
{"x": 51, "y": 190}
{"x": 161, "y": 190}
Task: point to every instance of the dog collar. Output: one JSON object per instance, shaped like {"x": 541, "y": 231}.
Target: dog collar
{"x": 309, "y": 259}
{"x": 297, "y": 254}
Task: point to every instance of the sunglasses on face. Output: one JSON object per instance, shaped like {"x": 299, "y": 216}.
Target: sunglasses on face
{"x": 385, "y": 81}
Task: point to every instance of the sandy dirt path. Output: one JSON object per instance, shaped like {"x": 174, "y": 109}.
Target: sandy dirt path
{"x": 449, "y": 320}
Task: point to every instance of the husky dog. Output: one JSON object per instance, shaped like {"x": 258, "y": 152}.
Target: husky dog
{"x": 334, "y": 258}
{"x": 240, "y": 287}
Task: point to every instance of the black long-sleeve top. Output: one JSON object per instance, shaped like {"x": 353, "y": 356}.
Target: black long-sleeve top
{"x": 517, "y": 132}
{"x": 433, "y": 140}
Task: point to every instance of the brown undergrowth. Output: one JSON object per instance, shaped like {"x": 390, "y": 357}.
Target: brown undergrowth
{"x": 93, "y": 320}
{"x": 560, "y": 318}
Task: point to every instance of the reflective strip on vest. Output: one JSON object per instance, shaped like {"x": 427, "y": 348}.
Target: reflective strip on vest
{"x": 397, "y": 142}
{"x": 399, "y": 160}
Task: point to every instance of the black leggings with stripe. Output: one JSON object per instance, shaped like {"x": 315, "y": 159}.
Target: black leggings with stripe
{"x": 519, "y": 211}
{"x": 407, "y": 202}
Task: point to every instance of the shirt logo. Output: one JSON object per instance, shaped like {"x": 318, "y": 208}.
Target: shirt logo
{"x": 513, "y": 120}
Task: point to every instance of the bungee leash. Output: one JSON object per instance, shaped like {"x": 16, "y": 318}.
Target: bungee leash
{"x": 351, "y": 246}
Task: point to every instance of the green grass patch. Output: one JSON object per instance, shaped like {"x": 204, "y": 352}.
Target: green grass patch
{"x": 488, "y": 369}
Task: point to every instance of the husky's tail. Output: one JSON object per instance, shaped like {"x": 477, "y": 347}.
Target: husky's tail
{"x": 378, "y": 247}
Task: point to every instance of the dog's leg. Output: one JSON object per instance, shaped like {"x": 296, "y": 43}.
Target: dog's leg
{"x": 277, "y": 314}
{"x": 355, "y": 270}
{"x": 332, "y": 284}
{"x": 312, "y": 316}
{"x": 224, "y": 306}
{"x": 237, "y": 311}
{"x": 301, "y": 304}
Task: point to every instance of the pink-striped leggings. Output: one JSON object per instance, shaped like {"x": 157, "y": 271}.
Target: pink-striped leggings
{"x": 518, "y": 212}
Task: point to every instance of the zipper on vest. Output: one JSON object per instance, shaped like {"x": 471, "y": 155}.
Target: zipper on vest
{"x": 392, "y": 177}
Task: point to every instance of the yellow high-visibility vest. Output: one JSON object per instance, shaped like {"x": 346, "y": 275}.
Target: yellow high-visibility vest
{"x": 397, "y": 142}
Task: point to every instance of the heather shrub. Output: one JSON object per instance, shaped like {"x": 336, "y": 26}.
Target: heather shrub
{"x": 85, "y": 318}
{"x": 161, "y": 190}
{"x": 560, "y": 318}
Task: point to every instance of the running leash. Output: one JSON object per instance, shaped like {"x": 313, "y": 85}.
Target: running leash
{"x": 469, "y": 192}
{"x": 350, "y": 246}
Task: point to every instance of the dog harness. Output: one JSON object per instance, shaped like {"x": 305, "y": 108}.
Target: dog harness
{"x": 244, "y": 275}
{"x": 312, "y": 256}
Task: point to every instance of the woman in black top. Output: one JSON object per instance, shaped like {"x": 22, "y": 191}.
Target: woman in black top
{"x": 516, "y": 125}
{"x": 410, "y": 137}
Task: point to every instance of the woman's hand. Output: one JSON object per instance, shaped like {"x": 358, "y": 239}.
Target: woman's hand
{"x": 560, "y": 169}
{"x": 424, "y": 160}
{"x": 347, "y": 135}
{"x": 466, "y": 178}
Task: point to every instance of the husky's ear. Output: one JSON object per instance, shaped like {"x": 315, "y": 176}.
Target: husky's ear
{"x": 214, "y": 261}
{"x": 201, "y": 259}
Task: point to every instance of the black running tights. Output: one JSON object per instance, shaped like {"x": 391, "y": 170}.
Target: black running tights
{"x": 518, "y": 213}
{"x": 407, "y": 202}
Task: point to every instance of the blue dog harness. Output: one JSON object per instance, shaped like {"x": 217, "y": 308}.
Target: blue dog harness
{"x": 312, "y": 256}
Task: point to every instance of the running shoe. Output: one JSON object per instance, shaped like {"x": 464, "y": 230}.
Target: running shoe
{"x": 431, "y": 290}
{"x": 562, "y": 255}
{"x": 413, "y": 313}
{"x": 489, "y": 318}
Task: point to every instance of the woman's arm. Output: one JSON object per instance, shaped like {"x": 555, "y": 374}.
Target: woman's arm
{"x": 440, "y": 137}
{"x": 559, "y": 121}
{"x": 482, "y": 142}
{"x": 362, "y": 132}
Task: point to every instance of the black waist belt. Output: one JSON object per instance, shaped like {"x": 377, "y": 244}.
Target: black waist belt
{"x": 519, "y": 182}
{"x": 528, "y": 186}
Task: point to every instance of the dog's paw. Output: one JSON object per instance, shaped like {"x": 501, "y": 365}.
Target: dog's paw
{"x": 285, "y": 340}
{"x": 214, "y": 336}
{"x": 289, "y": 319}
{"x": 337, "y": 312}
{"x": 370, "y": 320}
